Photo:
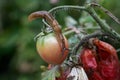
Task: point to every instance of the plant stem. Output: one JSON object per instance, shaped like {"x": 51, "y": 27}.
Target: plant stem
{"x": 66, "y": 7}
{"x": 87, "y": 37}
{"x": 104, "y": 26}
{"x": 106, "y": 11}
{"x": 89, "y": 9}
{"x": 54, "y": 10}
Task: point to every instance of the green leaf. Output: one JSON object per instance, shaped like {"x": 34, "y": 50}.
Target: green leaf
{"x": 51, "y": 74}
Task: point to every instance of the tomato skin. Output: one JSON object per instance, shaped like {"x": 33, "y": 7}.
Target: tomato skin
{"x": 49, "y": 49}
{"x": 101, "y": 64}
{"x": 95, "y": 76}
{"x": 105, "y": 48}
{"x": 108, "y": 60}
{"x": 88, "y": 59}
{"x": 109, "y": 69}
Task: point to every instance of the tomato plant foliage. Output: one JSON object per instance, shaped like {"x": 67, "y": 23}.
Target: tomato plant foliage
{"x": 89, "y": 57}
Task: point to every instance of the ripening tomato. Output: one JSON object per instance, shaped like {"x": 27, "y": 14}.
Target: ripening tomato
{"x": 49, "y": 49}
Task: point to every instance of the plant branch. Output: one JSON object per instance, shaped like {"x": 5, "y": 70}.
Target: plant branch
{"x": 106, "y": 11}
{"x": 66, "y": 8}
{"x": 54, "y": 10}
{"x": 104, "y": 26}
{"x": 87, "y": 37}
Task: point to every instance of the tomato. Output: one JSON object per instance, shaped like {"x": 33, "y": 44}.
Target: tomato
{"x": 105, "y": 49}
{"x": 102, "y": 63}
{"x": 108, "y": 60}
{"x": 109, "y": 69}
{"x": 49, "y": 49}
{"x": 88, "y": 59}
{"x": 95, "y": 76}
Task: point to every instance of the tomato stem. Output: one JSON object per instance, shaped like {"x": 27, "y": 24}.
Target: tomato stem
{"x": 106, "y": 11}
{"x": 87, "y": 37}
{"x": 104, "y": 26}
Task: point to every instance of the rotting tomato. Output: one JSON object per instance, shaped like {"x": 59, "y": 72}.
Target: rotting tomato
{"x": 108, "y": 65}
{"x": 95, "y": 76}
{"x": 88, "y": 59}
{"x": 104, "y": 49}
{"x": 109, "y": 69}
{"x": 101, "y": 64}
{"x": 49, "y": 49}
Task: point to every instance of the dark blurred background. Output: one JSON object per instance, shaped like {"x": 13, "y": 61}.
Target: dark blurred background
{"x": 18, "y": 57}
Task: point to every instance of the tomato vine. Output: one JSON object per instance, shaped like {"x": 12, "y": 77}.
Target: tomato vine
{"x": 95, "y": 55}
